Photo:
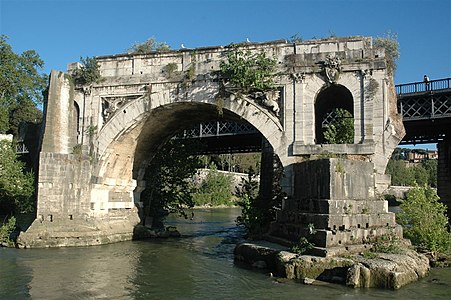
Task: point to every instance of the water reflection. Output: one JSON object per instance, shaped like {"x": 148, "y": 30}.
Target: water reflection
{"x": 93, "y": 272}
{"x": 199, "y": 265}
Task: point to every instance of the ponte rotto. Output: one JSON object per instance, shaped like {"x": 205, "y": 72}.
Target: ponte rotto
{"x": 99, "y": 138}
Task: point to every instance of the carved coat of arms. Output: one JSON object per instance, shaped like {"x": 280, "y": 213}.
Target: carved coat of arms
{"x": 332, "y": 68}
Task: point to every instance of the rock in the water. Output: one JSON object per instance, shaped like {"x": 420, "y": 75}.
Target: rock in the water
{"x": 384, "y": 270}
{"x": 260, "y": 264}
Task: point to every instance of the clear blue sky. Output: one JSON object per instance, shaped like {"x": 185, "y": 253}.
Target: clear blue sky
{"x": 63, "y": 31}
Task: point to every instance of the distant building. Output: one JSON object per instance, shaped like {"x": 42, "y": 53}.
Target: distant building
{"x": 418, "y": 155}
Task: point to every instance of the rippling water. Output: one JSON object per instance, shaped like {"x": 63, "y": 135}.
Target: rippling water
{"x": 199, "y": 265}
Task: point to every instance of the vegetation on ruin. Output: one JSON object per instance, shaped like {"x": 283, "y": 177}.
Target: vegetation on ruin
{"x": 88, "y": 73}
{"x": 247, "y": 71}
{"x": 340, "y": 130}
{"x": 424, "y": 220}
{"x": 389, "y": 42}
{"x": 150, "y": 45}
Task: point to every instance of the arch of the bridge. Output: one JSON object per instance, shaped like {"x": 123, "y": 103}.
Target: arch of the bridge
{"x": 128, "y": 141}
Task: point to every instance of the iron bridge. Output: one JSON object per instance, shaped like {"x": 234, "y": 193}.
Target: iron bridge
{"x": 426, "y": 110}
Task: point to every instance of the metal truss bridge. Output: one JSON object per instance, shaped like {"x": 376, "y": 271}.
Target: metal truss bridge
{"x": 425, "y": 107}
{"x": 426, "y": 110}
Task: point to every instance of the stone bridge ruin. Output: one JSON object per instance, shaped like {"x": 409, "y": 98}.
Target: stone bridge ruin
{"x": 98, "y": 139}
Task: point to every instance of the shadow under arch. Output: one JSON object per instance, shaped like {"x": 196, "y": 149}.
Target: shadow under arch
{"x": 329, "y": 98}
{"x": 134, "y": 134}
{"x": 166, "y": 121}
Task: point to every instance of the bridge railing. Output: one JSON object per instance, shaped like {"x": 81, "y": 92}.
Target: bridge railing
{"x": 21, "y": 148}
{"x": 419, "y": 87}
{"x": 217, "y": 128}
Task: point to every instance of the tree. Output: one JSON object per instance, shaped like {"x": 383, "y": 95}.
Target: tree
{"x": 25, "y": 111}
{"x": 169, "y": 187}
{"x": 252, "y": 217}
{"x": 400, "y": 173}
{"x": 215, "y": 189}
{"x": 430, "y": 165}
{"x": 20, "y": 81}
{"x": 150, "y": 45}
{"x": 341, "y": 130}
{"x": 424, "y": 220}
{"x": 16, "y": 186}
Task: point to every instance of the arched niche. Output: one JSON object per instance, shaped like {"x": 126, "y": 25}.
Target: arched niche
{"x": 328, "y": 99}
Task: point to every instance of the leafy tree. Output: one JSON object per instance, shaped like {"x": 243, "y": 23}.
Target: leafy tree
{"x": 430, "y": 165}
{"x": 400, "y": 173}
{"x": 341, "y": 130}
{"x": 6, "y": 230}
{"x": 215, "y": 189}
{"x": 25, "y": 111}
{"x": 390, "y": 43}
{"x": 252, "y": 217}
{"x": 248, "y": 72}
{"x": 150, "y": 45}
{"x": 20, "y": 81}
{"x": 168, "y": 180}
{"x": 16, "y": 186}
{"x": 88, "y": 73}
{"x": 424, "y": 220}
{"x": 420, "y": 174}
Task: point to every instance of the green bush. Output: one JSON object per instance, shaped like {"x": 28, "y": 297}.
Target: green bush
{"x": 5, "y": 232}
{"x": 89, "y": 72}
{"x": 341, "y": 130}
{"x": 424, "y": 220}
{"x": 247, "y": 71}
{"x": 16, "y": 185}
{"x": 252, "y": 216}
{"x": 215, "y": 189}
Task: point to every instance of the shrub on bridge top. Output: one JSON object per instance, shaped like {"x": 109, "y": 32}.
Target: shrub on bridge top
{"x": 424, "y": 220}
{"x": 150, "y": 45}
{"x": 248, "y": 72}
{"x": 88, "y": 73}
{"x": 389, "y": 42}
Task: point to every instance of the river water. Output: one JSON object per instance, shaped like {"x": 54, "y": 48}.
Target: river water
{"x": 199, "y": 265}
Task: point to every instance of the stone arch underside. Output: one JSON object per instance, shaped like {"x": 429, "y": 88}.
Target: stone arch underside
{"x": 130, "y": 139}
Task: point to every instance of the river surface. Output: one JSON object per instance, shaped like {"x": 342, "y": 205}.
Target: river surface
{"x": 199, "y": 265}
